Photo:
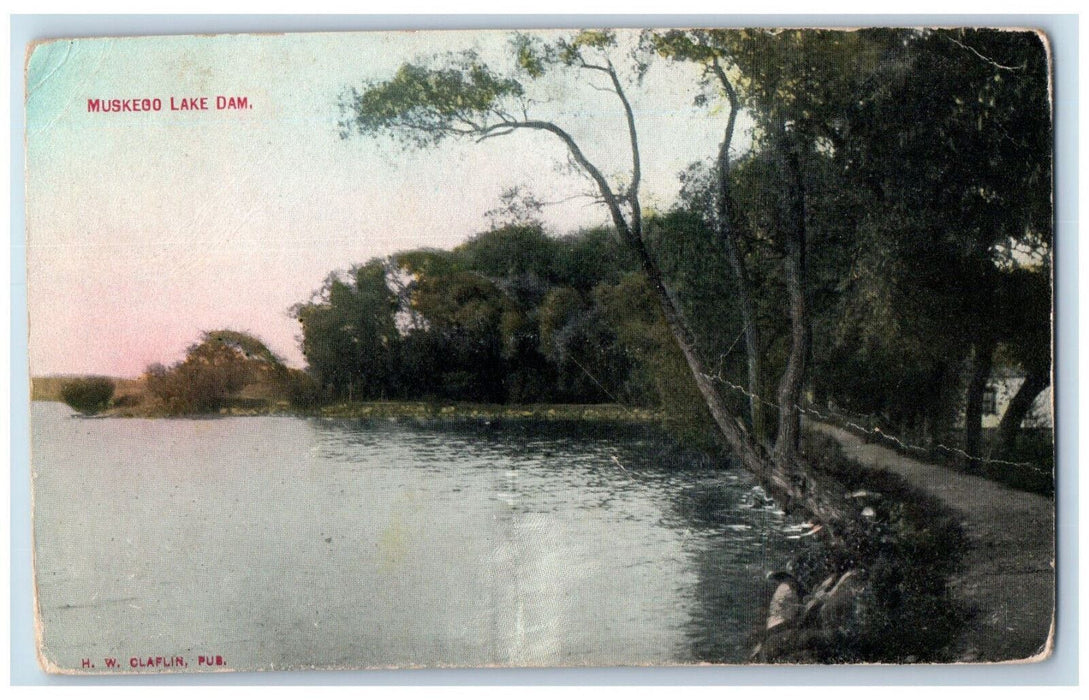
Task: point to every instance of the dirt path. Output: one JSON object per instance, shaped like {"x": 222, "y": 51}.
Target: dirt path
{"x": 1007, "y": 579}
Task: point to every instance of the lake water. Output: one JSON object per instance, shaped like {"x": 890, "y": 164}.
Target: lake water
{"x": 279, "y": 542}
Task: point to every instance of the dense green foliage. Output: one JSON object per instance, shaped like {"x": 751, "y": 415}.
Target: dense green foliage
{"x": 951, "y": 146}
{"x": 89, "y": 395}
{"x": 925, "y": 168}
{"x": 511, "y": 316}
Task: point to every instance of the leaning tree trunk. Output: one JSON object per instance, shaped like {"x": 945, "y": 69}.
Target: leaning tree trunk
{"x": 792, "y": 223}
{"x": 785, "y": 478}
{"x": 982, "y": 358}
{"x": 1037, "y": 380}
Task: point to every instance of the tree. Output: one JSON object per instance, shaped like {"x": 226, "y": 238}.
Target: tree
{"x": 796, "y": 85}
{"x": 423, "y": 106}
{"x": 509, "y": 251}
{"x": 350, "y": 334}
{"x": 464, "y": 311}
{"x": 213, "y": 370}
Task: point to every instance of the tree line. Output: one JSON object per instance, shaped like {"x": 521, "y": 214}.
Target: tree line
{"x": 513, "y": 315}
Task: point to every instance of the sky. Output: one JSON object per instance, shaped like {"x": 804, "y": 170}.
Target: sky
{"x": 146, "y": 228}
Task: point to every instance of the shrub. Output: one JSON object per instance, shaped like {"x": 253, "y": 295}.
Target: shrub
{"x": 195, "y": 385}
{"x": 88, "y": 396}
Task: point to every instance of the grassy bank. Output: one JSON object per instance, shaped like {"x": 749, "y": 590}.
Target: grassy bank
{"x": 905, "y": 546}
{"x": 476, "y": 411}
{"x": 396, "y": 410}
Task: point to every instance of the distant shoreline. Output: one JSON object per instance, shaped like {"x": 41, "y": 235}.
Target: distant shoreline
{"x": 418, "y": 410}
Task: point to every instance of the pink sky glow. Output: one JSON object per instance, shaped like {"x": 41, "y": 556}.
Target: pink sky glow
{"x": 144, "y": 229}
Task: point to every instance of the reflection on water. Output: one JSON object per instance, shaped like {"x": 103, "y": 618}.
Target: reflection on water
{"x": 287, "y": 542}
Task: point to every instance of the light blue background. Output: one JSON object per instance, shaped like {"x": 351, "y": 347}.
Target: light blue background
{"x": 1060, "y": 669}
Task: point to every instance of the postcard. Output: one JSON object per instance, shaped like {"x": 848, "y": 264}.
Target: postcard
{"x": 541, "y": 348}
